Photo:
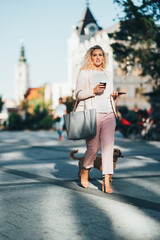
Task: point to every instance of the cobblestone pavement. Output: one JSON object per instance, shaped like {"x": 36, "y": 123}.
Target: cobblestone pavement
{"x": 41, "y": 199}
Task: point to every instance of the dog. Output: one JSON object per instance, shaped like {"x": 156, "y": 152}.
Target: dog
{"x": 98, "y": 161}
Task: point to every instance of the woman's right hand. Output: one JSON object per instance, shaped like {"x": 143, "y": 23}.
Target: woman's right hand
{"x": 99, "y": 89}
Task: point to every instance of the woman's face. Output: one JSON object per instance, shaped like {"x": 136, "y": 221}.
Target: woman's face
{"x": 97, "y": 57}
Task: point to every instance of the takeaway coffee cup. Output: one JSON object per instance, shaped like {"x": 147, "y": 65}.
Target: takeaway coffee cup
{"x": 104, "y": 84}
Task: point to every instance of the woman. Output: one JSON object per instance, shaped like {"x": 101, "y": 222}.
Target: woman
{"x": 93, "y": 94}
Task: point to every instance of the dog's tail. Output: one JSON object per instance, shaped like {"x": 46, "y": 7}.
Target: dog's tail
{"x": 72, "y": 155}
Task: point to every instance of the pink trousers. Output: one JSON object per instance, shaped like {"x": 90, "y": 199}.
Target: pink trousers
{"x": 106, "y": 123}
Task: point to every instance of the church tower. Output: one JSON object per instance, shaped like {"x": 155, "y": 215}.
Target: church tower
{"x": 21, "y": 76}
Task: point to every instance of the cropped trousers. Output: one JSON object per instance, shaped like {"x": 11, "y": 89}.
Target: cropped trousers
{"x": 106, "y": 123}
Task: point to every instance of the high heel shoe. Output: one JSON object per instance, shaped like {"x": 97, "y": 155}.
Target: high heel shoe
{"x": 84, "y": 178}
{"x": 106, "y": 185}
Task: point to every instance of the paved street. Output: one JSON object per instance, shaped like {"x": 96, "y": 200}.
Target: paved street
{"x": 41, "y": 198}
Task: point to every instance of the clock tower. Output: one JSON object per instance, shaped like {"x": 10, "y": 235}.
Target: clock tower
{"x": 21, "y": 76}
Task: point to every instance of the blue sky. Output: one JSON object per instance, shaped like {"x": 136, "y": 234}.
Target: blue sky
{"x": 45, "y": 26}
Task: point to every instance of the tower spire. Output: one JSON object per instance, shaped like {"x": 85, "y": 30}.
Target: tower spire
{"x": 22, "y": 53}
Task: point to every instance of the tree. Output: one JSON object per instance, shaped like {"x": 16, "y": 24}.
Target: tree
{"x": 15, "y": 121}
{"x": 38, "y": 114}
{"x": 138, "y": 38}
{"x": 41, "y": 119}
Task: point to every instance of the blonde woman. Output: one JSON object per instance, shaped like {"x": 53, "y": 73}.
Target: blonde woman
{"x": 94, "y": 87}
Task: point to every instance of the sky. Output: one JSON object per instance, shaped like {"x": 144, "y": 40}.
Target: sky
{"x": 45, "y": 26}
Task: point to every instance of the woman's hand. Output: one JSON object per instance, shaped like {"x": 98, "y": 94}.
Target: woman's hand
{"x": 115, "y": 95}
{"x": 99, "y": 89}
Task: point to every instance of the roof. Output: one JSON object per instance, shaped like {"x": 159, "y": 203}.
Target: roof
{"x": 86, "y": 19}
{"x": 33, "y": 93}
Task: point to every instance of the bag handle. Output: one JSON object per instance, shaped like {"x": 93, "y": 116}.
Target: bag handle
{"x": 114, "y": 107}
{"x": 76, "y": 103}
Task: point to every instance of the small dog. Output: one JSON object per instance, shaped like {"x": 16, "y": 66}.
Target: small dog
{"x": 98, "y": 161}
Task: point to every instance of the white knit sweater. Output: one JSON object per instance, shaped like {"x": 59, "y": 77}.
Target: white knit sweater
{"x": 84, "y": 88}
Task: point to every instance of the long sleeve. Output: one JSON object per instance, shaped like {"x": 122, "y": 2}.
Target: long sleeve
{"x": 83, "y": 86}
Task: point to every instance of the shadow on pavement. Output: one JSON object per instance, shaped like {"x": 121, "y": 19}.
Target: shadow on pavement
{"x": 133, "y": 186}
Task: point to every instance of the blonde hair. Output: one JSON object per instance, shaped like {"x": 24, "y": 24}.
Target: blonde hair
{"x": 87, "y": 61}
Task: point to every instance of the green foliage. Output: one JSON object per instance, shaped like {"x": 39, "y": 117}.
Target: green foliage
{"x": 15, "y": 121}
{"x": 41, "y": 119}
{"x": 139, "y": 36}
